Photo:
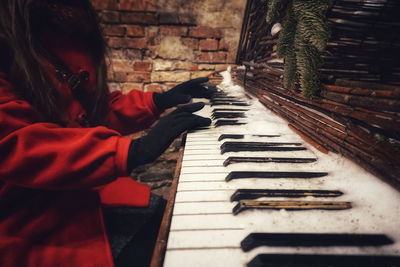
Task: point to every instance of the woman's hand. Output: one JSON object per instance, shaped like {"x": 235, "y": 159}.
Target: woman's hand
{"x": 147, "y": 148}
{"x": 183, "y": 93}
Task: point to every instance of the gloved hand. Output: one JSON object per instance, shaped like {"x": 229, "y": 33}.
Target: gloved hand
{"x": 183, "y": 93}
{"x": 147, "y": 148}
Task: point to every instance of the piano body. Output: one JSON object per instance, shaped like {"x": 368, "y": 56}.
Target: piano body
{"x": 252, "y": 192}
{"x": 306, "y": 203}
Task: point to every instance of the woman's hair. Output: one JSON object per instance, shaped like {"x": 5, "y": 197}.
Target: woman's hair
{"x": 26, "y": 58}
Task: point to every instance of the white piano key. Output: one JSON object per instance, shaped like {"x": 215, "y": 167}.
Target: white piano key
{"x": 198, "y": 208}
{"x": 194, "y": 144}
{"x": 191, "y": 186}
{"x": 202, "y": 177}
{"x": 206, "y": 222}
{"x": 204, "y": 152}
{"x": 203, "y": 196}
{"x": 202, "y": 147}
{"x": 202, "y": 163}
{"x": 187, "y": 157}
{"x": 256, "y": 167}
{"x": 206, "y": 171}
{"x": 202, "y": 239}
{"x": 231, "y": 257}
{"x": 287, "y": 183}
{"x": 216, "y": 154}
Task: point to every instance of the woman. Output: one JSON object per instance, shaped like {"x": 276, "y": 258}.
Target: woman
{"x": 62, "y": 154}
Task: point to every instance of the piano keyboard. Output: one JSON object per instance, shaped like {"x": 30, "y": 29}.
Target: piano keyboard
{"x": 252, "y": 193}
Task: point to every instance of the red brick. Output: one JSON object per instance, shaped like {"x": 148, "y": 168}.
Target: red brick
{"x": 198, "y": 74}
{"x": 231, "y": 58}
{"x": 114, "y": 30}
{"x": 206, "y": 67}
{"x": 127, "y": 87}
{"x": 109, "y": 16}
{"x": 173, "y": 31}
{"x": 224, "y": 45}
{"x": 121, "y": 65}
{"x": 191, "y": 43}
{"x": 169, "y": 18}
{"x": 135, "y": 31}
{"x": 152, "y": 31}
{"x": 137, "y": 5}
{"x": 152, "y": 34}
{"x": 116, "y": 42}
{"x": 221, "y": 67}
{"x": 185, "y": 65}
{"x": 213, "y": 57}
{"x": 187, "y": 19}
{"x": 155, "y": 87}
{"x": 209, "y": 45}
{"x": 205, "y": 32}
{"x": 170, "y": 85}
{"x": 129, "y": 54}
{"x": 104, "y": 4}
{"x": 139, "y": 18}
{"x": 136, "y": 77}
{"x": 142, "y": 66}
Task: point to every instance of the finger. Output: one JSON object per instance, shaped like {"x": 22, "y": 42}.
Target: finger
{"x": 201, "y": 121}
{"x": 190, "y": 108}
{"x": 201, "y": 92}
{"x": 193, "y": 122}
{"x": 194, "y": 82}
{"x": 182, "y": 98}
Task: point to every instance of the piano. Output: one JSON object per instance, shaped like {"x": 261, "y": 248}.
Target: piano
{"x": 252, "y": 193}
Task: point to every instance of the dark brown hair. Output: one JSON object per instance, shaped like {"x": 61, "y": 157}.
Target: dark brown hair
{"x": 25, "y": 58}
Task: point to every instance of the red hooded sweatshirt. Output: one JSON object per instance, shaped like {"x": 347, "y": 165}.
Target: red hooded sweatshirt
{"x": 54, "y": 180}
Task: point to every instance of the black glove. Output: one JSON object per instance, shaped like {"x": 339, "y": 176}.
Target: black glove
{"x": 147, "y": 148}
{"x": 183, "y": 93}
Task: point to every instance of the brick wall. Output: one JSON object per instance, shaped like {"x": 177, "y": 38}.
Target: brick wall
{"x": 155, "y": 44}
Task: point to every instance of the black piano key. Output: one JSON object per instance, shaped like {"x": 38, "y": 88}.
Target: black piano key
{"x": 310, "y": 260}
{"x": 298, "y": 205}
{"x": 273, "y": 175}
{"x": 230, "y": 136}
{"x": 241, "y": 136}
{"x": 228, "y": 115}
{"x": 249, "y": 144}
{"x": 241, "y": 104}
{"x": 259, "y": 146}
{"x": 232, "y": 160}
{"x": 228, "y": 110}
{"x": 199, "y": 129}
{"x": 272, "y": 148}
{"x": 255, "y": 240}
{"x": 242, "y": 194}
{"x": 231, "y": 146}
{"x": 220, "y": 123}
{"x": 220, "y": 93}
{"x": 224, "y": 98}
{"x": 267, "y": 135}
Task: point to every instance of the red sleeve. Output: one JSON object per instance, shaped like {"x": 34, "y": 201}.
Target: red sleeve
{"x": 36, "y": 154}
{"x": 132, "y": 112}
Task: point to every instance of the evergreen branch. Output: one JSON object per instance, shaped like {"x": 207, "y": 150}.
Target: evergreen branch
{"x": 274, "y": 9}
{"x": 308, "y": 63}
{"x": 285, "y": 43}
{"x": 290, "y": 73}
{"x": 312, "y": 21}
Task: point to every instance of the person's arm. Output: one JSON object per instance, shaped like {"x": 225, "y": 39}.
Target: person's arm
{"x": 36, "y": 154}
{"x": 132, "y": 112}
{"x": 138, "y": 110}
